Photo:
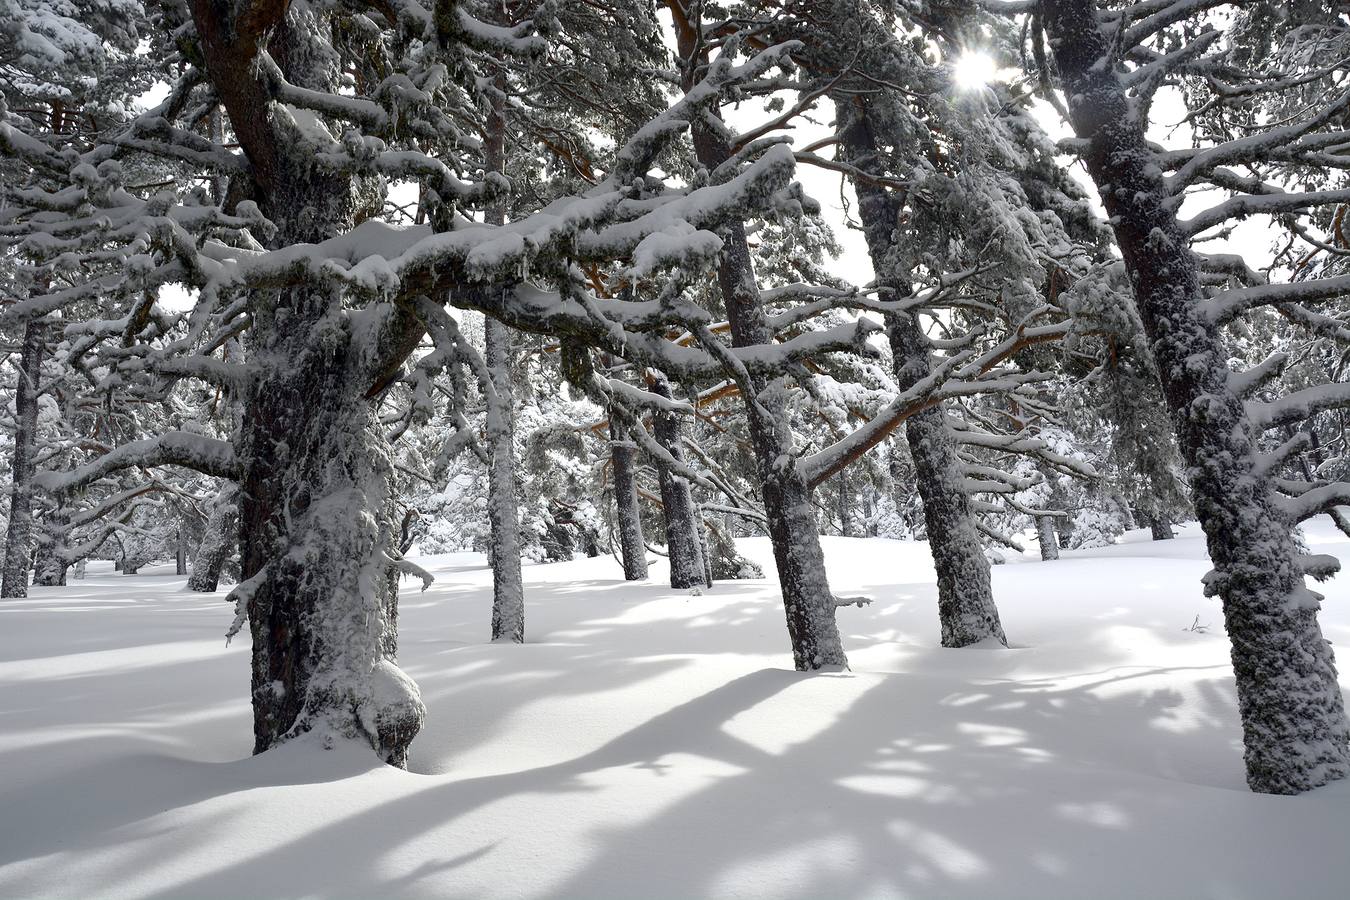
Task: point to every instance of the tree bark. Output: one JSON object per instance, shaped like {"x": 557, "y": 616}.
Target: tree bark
{"x": 966, "y": 610}
{"x": 1160, "y": 528}
{"x": 683, "y": 543}
{"x": 317, "y": 518}
{"x": 220, "y": 539}
{"x": 1047, "y": 537}
{"x": 632, "y": 546}
{"x": 49, "y": 560}
{"x": 18, "y": 539}
{"x": 1294, "y": 724}
{"x": 508, "y": 588}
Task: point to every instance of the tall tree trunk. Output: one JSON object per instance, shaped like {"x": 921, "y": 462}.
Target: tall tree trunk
{"x": 1294, "y": 724}
{"x": 220, "y": 539}
{"x": 966, "y": 610}
{"x": 623, "y": 456}
{"x": 508, "y": 588}
{"x": 808, "y": 603}
{"x": 14, "y": 581}
{"x": 687, "y": 568}
{"x": 318, "y": 530}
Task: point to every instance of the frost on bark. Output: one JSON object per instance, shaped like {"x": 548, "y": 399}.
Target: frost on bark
{"x": 683, "y": 540}
{"x": 1294, "y": 725}
{"x": 218, "y": 541}
{"x": 508, "y": 591}
{"x": 317, "y": 518}
{"x": 50, "y": 562}
{"x": 1047, "y": 538}
{"x": 966, "y": 609}
{"x": 632, "y": 547}
{"x": 18, "y": 538}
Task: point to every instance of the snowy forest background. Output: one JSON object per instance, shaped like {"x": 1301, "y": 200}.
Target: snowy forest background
{"x": 305, "y": 303}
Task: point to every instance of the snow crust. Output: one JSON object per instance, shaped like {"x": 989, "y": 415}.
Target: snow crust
{"x": 653, "y": 743}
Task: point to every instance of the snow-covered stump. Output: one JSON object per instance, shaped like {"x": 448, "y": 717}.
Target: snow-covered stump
{"x": 1294, "y": 726}
{"x": 508, "y": 589}
{"x": 319, "y": 539}
{"x": 966, "y": 609}
{"x": 683, "y": 542}
{"x": 632, "y": 547}
{"x": 221, "y": 535}
{"x": 18, "y": 537}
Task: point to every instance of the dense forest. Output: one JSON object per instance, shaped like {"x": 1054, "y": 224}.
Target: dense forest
{"x": 293, "y": 291}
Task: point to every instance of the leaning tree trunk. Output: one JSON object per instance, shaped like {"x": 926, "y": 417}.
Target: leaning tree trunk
{"x": 683, "y": 540}
{"x": 623, "y": 456}
{"x": 1294, "y": 725}
{"x": 14, "y": 581}
{"x": 808, "y": 603}
{"x": 966, "y": 609}
{"x": 220, "y": 539}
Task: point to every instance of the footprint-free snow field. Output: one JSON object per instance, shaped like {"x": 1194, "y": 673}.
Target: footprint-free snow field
{"x": 647, "y": 742}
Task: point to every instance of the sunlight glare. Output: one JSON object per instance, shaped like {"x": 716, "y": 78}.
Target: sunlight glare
{"x": 973, "y": 69}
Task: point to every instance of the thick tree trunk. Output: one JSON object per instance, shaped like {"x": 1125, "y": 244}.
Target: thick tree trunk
{"x": 683, "y": 542}
{"x": 1294, "y": 725}
{"x": 220, "y": 539}
{"x": 632, "y": 546}
{"x": 317, "y": 519}
{"x": 318, "y": 536}
{"x": 14, "y": 581}
{"x": 966, "y": 609}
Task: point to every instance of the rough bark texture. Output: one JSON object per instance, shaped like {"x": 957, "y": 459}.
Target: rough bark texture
{"x": 317, "y": 523}
{"x": 14, "y": 581}
{"x": 1047, "y": 538}
{"x": 222, "y": 535}
{"x": 1160, "y": 528}
{"x": 808, "y": 603}
{"x": 508, "y": 589}
{"x": 49, "y": 560}
{"x": 683, "y": 541}
{"x": 966, "y": 609}
{"x": 1294, "y": 725}
{"x": 632, "y": 547}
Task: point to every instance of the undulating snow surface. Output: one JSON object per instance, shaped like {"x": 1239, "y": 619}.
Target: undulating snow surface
{"x": 653, "y": 743}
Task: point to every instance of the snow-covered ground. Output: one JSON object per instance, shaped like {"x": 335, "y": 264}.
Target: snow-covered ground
{"x": 650, "y": 743}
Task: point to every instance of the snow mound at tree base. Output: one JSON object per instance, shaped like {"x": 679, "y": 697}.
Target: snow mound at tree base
{"x": 651, "y": 743}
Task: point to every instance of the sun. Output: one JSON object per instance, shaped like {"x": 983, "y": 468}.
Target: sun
{"x": 973, "y": 69}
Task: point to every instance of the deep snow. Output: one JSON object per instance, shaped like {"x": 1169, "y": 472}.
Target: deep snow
{"x": 650, "y": 742}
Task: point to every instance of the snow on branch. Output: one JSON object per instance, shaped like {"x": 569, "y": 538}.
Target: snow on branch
{"x": 175, "y": 448}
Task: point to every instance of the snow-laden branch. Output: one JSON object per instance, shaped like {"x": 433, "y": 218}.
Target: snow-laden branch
{"x": 175, "y": 448}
